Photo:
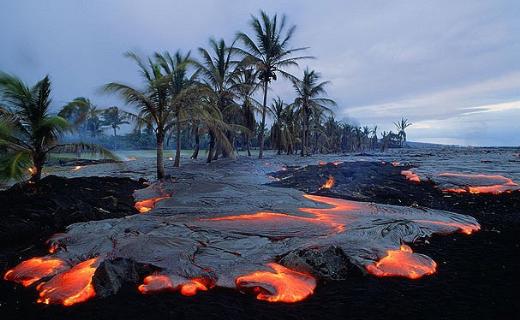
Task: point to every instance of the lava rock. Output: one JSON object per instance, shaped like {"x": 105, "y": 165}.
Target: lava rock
{"x": 328, "y": 263}
{"x": 112, "y": 275}
{"x": 31, "y": 212}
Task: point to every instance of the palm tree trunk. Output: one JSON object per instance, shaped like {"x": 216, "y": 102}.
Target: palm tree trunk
{"x": 304, "y": 132}
{"x": 262, "y": 124}
{"x": 226, "y": 153}
{"x": 177, "y": 161}
{"x": 217, "y": 149}
{"x": 247, "y": 143}
{"x": 38, "y": 162}
{"x": 160, "y": 155}
{"x": 197, "y": 144}
{"x": 211, "y": 146}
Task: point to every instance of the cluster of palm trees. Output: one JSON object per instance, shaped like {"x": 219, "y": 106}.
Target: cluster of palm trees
{"x": 29, "y": 132}
{"x": 213, "y": 97}
{"x": 88, "y": 119}
{"x": 215, "y": 94}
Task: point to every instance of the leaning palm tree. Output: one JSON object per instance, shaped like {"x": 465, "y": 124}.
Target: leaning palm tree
{"x": 270, "y": 54}
{"x": 401, "y": 130}
{"x": 309, "y": 101}
{"x": 28, "y": 132}
{"x": 152, "y": 102}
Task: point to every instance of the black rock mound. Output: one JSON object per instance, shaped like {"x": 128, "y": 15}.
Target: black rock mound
{"x": 31, "y": 212}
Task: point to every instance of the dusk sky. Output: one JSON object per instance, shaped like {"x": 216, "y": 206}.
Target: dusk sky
{"x": 451, "y": 67}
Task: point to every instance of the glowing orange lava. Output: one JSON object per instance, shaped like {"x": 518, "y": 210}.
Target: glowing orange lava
{"x": 410, "y": 176}
{"x": 256, "y": 216}
{"x": 33, "y": 270}
{"x": 70, "y": 287}
{"x": 337, "y": 163}
{"x": 159, "y": 282}
{"x": 329, "y": 183}
{"x": 191, "y": 287}
{"x": 403, "y": 263}
{"x": 148, "y": 204}
{"x": 333, "y": 217}
{"x": 464, "y": 228}
{"x": 280, "y": 285}
{"x": 156, "y": 283}
{"x": 497, "y": 184}
{"x": 322, "y": 163}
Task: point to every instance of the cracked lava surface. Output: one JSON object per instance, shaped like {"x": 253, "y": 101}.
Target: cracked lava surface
{"x": 195, "y": 252}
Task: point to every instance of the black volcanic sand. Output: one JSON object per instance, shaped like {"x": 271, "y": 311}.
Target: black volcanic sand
{"x": 477, "y": 275}
{"x": 30, "y": 212}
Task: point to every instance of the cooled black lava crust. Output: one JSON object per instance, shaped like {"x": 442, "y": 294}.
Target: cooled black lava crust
{"x": 477, "y": 276}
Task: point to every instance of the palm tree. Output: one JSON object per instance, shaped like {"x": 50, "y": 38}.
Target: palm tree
{"x": 309, "y": 101}
{"x": 245, "y": 84}
{"x": 176, "y": 68}
{"x": 290, "y": 127}
{"x": 401, "y": 127}
{"x": 218, "y": 71}
{"x": 270, "y": 54}
{"x": 28, "y": 132}
{"x": 152, "y": 102}
{"x": 373, "y": 139}
{"x": 84, "y": 115}
{"x": 114, "y": 117}
{"x": 277, "y": 110}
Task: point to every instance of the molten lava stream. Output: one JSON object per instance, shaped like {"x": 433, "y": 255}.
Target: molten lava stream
{"x": 411, "y": 176}
{"x": 496, "y": 184}
{"x": 148, "y": 204}
{"x": 70, "y": 287}
{"x": 159, "y": 282}
{"x": 280, "y": 285}
{"x": 191, "y": 287}
{"x": 468, "y": 228}
{"x": 403, "y": 263}
{"x": 329, "y": 183}
{"x": 335, "y": 216}
{"x": 32, "y": 270}
{"x": 156, "y": 283}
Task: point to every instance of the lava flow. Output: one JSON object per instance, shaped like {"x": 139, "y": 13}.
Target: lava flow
{"x": 70, "y": 287}
{"x": 464, "y": 228}
{"x": 159, "y": 283}
{"x": 280, "y": 285}
{"x": 403, "y": 263}
{"x": 156, "y": 283}
{"x": 410, "y": 176}
{"x": 329, "y": 183}
{"x": 332, "y": 218}
{"x": 148, "y": 204}
{"x": 492, "y": 184}
{"x": 35, "y": 269}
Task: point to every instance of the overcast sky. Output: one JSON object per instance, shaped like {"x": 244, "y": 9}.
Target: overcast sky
{"x": 451, "y": 67}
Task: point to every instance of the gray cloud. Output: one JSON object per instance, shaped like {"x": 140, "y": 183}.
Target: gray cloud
{"x": 434, "y": 62}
